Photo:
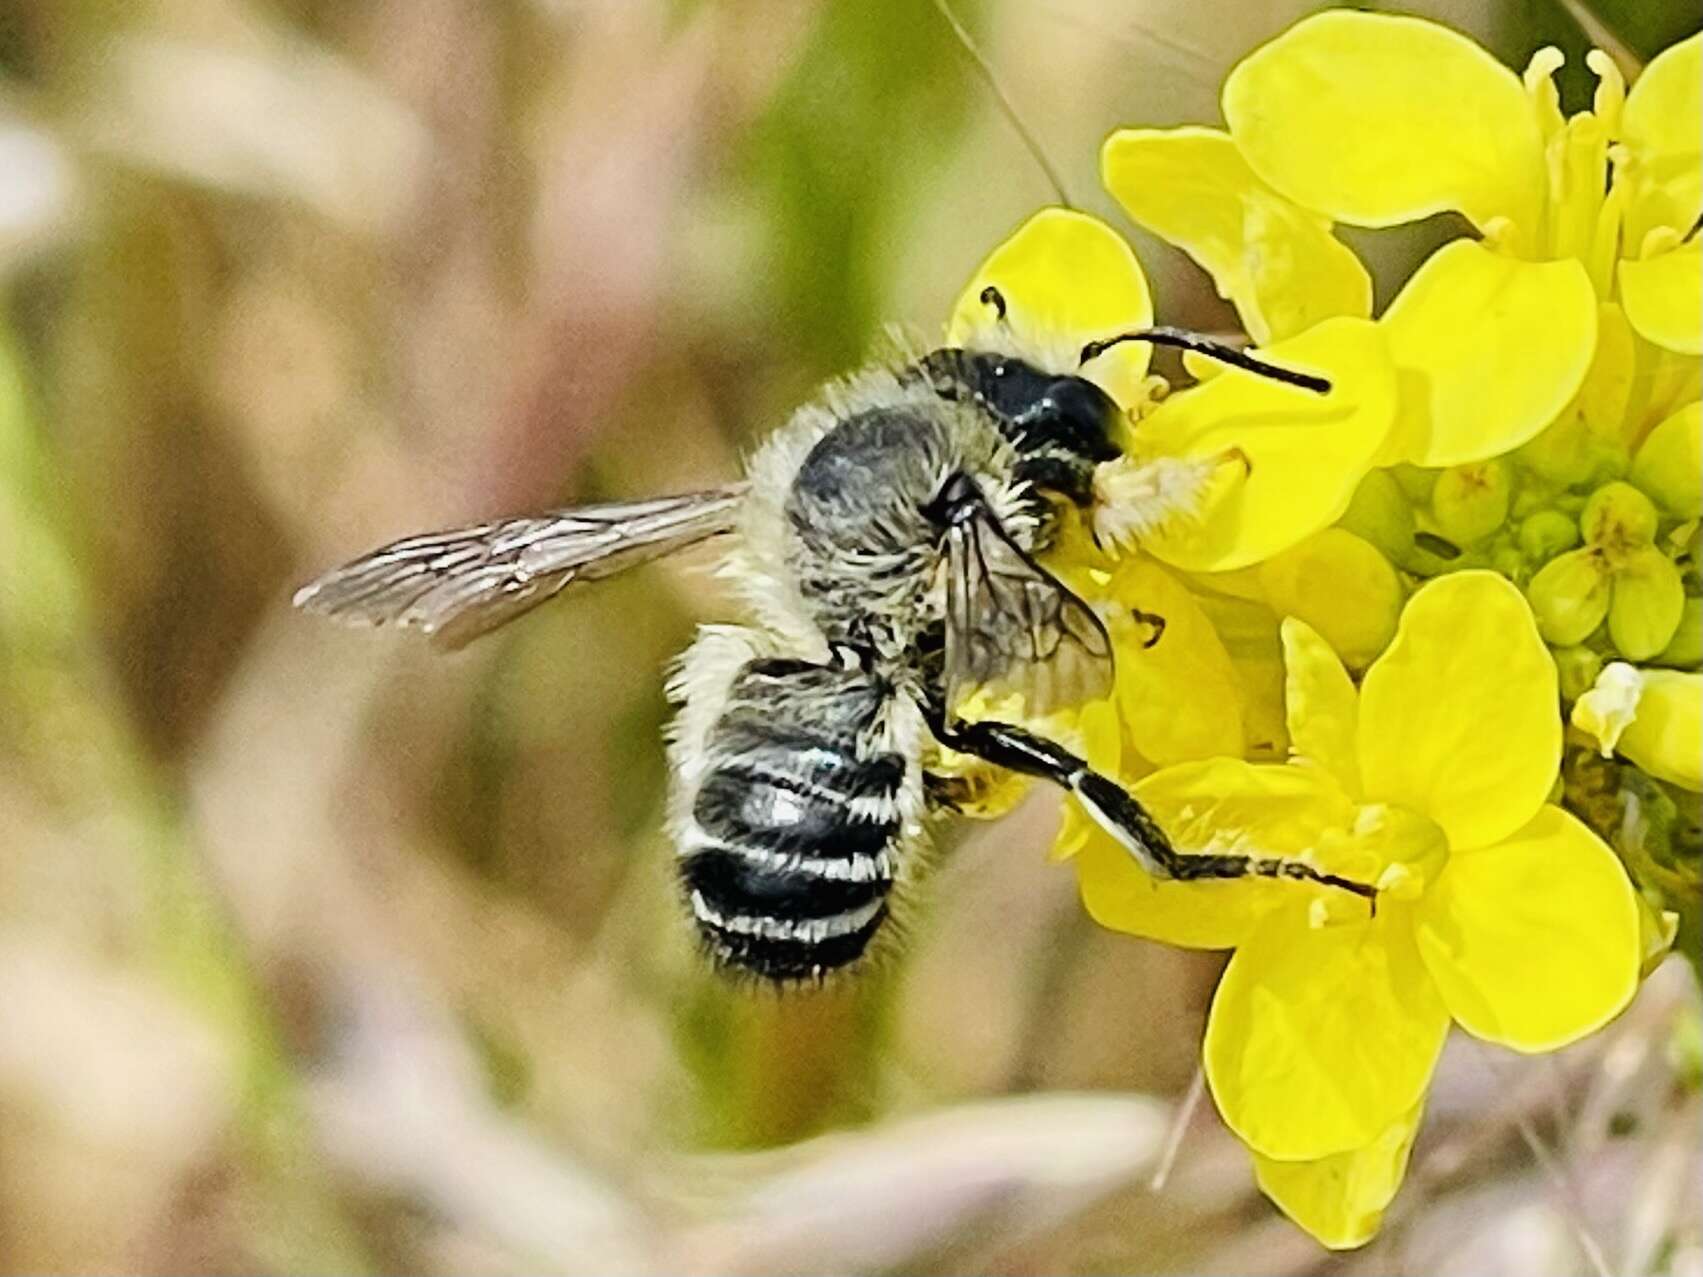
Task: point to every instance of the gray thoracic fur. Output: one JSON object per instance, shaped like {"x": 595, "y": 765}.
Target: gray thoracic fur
{"x": 835, "y": 546}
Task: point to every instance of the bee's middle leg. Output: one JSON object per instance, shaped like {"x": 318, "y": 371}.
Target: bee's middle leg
{"x": 1116, "y": 810}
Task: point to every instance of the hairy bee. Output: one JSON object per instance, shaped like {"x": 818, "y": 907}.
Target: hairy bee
{"x": 884, "y": 545}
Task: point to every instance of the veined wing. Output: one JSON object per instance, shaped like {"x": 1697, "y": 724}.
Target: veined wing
{"x": 459, "y": 584}
{"x": 1011, "y": 626}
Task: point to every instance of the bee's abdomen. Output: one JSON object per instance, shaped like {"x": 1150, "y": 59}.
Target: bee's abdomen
{"x": 790, "y": 854}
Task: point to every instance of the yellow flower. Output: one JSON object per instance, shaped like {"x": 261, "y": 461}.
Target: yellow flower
{"x": 1374, "y": 120}
{"x": 1499, "y": 910}
{"x": 1222, "y": 474}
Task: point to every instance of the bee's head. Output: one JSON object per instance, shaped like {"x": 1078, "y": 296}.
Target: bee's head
{"x": 1063, "y": 425}
{"x": 1067, "y": 412}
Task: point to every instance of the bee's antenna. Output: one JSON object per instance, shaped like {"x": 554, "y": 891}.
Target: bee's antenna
{"x": 1185, "y": 340}
{"x": 985, "y": 69}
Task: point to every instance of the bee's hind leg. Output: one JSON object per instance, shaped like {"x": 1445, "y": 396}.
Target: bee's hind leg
{"x": 1116, "y": 811}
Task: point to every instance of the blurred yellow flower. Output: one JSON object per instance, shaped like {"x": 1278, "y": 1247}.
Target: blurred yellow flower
{"x": 1375, "y": 119}
{"x": 1498, "y": 909}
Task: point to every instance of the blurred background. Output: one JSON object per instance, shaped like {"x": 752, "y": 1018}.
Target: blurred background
{"x": 321, "y": 952}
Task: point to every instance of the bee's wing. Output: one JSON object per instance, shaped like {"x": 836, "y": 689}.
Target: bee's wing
{"x": 459, "y": 584}
{"x": 1013, "y": 627}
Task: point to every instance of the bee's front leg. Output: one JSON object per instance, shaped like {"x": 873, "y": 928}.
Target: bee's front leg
{"x": 1116, "y": 810}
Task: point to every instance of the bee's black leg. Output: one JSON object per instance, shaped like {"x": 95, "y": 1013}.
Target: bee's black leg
{"x": 948, "y": 793}
{"x": 1118, "y": 813}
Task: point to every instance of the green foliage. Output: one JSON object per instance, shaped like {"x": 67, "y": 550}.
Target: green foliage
{"x": 874, "y": 101}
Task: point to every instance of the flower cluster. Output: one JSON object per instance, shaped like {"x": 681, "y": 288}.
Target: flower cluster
{"x": 1408, "y": 621}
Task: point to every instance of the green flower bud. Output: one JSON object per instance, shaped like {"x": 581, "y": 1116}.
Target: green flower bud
{"x": 1578, "y": 668}
{"x": 1564, "y": 453}
{"x": 1505, "y": 557}
{"x": 1685, "y": 650}
{"x": 1648, "y": 602}
{"x": 1669, "y": 465}
{"x": 1570, "y": 596}
{"x": 1415, "y": 482}
{"x": 1530, "y": 498}
{"x": 1619, "y": 519}
{"x": 1546, "y": 534}
{"x": 1380, "y": 513}
{"x": 1471, "y": 501}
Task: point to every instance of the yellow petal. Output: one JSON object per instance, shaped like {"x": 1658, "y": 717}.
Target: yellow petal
{"x": 1320, "y": 1038}
{"x": 1067, "y": 279}
{"x": 1376, "y": 120}
{"x": 1278, "y": 264}
{"x": 1607, "y": 392}
{"x": 1661, "y": 294}
{"x": 1459, "y": 719}
{"x": 1534, "y": 942}
{"x": 1340, "y": 585}
{"x": 1176, "y": 689}
{"x": 1662, "y": 110}
{"x": 1669, "y": 464}
{"x": 1320, "y": 705}
{"x": 1219, "y": 805}
{"x": 1340, "y": 1199}
{"x": 1658, "y": 126}
{"x": 1490, "y": 349}
{"x": 1665, "y": 738}
{"x": 1299, "y": 455}
{"x": 1653, "y": 717}
{"x": 1248, "y": 631}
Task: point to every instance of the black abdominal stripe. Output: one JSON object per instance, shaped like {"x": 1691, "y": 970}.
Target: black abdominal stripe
{"x": 790, "y": 852}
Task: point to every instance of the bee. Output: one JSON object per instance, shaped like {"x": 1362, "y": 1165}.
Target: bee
{"x": 883, "y": 545}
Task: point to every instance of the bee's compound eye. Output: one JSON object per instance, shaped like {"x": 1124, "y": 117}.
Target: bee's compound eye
{"x": 1084, "y": 416}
